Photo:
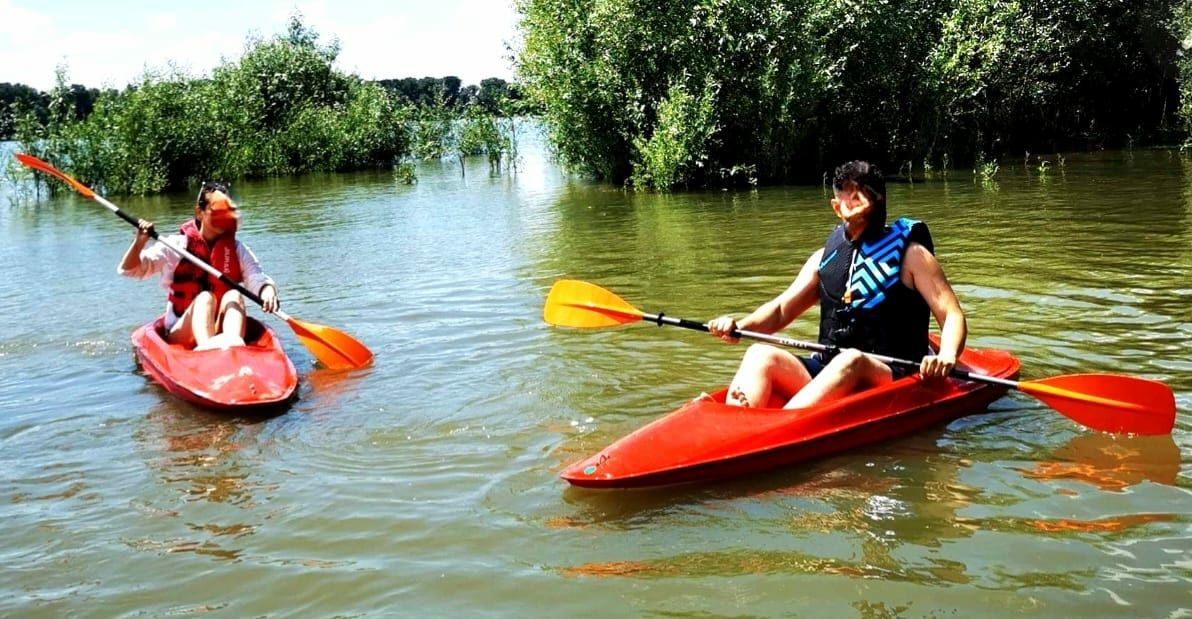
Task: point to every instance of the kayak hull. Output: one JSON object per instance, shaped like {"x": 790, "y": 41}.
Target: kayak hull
{"x": 255, "y": 376}
{"x": 706, "y": 439}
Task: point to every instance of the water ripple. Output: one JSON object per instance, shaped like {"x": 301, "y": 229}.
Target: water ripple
{"x": 429, "y": 480}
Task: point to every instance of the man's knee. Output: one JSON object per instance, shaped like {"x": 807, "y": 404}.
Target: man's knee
{"x": 761, "y": 356}
{"x": 848, "y": 361}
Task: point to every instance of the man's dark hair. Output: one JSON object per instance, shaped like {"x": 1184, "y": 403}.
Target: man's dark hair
{"x": 867, "y": 176}
{"x": 869, "y": 179}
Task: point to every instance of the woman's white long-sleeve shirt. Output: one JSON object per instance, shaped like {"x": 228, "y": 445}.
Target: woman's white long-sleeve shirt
{"x": 156, "y": 258}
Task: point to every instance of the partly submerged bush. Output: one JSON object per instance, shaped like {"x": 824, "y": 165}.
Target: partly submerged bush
{"x": 695, "y": 92}
{"x": 280, "y": 109}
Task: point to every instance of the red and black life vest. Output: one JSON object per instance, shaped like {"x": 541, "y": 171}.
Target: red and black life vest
{"x": 189, "y": 280}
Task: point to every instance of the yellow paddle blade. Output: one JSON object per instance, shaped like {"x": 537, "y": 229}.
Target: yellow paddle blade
{"x": 572, "y": 303}
{"x": 331, "y": 347}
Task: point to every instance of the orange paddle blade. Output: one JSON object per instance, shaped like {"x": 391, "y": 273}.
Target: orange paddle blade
{"x": 32, "y": 162}
{"x": 1109, "y": 402}
{"x": 572, "y": 303}
{"x": 331, "y": 347}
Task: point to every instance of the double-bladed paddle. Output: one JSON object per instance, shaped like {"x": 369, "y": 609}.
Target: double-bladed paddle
{"x": 1105, "y": 402}
{"x": 333, "y": 348}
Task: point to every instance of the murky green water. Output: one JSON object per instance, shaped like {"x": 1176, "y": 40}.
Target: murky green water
{"x": 426, "y": 485}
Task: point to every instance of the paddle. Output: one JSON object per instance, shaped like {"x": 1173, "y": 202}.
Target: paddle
{"x": 1105, "y": 402}
{"x": 332, "y": 347}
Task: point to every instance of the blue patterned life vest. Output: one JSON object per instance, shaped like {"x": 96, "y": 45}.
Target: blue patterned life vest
{"x": 863, "y": 302}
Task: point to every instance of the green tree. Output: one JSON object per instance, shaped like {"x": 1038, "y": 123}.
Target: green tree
{"x": 705, "y": 92}
{"x": 1181, "y": 31}
{"x": 280, "y": 109}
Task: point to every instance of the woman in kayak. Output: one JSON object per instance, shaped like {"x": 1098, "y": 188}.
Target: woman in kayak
{"x": 201, "y": 311}
{"x": 877, "y": 287}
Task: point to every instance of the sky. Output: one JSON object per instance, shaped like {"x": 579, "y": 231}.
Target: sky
{"x": 109, "y": 43}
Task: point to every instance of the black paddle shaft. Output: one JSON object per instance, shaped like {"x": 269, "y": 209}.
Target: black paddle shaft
{"x": 662, "y": 319}
{"x": 182, "y": 252}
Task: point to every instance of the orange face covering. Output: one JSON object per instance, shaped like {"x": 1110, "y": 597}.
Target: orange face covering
{"x": 223, "y": 212}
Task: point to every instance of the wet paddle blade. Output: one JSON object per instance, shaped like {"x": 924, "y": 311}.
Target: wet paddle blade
{"x": 331, "y": 347}
{"x": 34, "y": 163}
{"x": 1109, "y": 402}
{"x": 572, "y": 303}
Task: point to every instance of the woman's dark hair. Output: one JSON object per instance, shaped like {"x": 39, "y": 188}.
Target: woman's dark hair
{"x": 869, "y": 179}
{"x": 206, "y": 190}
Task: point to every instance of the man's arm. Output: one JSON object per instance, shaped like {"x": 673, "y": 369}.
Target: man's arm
{"x": 927, "y": 277}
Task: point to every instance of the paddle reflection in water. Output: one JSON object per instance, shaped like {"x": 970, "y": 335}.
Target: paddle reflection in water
{"x": 323, "y": 389}
{"x": 1111, "y": 463}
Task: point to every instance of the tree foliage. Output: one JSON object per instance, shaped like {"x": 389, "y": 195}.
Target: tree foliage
{"x": 281, "y": 108}
{"x": 1181, "y": 30}
{"x": 14, "y": 97}
{"x": 718, "y": 91}
{"x": 494, "y": 95}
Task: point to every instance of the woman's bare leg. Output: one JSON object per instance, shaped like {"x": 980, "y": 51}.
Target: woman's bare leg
{"x": 232, "y": 316}
{"x": 196, "y": 325}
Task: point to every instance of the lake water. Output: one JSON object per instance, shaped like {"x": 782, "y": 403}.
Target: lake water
{"x": 426, "y": 485}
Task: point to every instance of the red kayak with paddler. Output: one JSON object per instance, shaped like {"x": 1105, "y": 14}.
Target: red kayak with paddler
{"x": 204, "y": 349}
{"x": 706, "y": 439}
{"x": 256, "y": 374}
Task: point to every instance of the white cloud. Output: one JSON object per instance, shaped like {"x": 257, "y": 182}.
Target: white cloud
{"x": 445, "y": 37}
{"x": 466, "y": 42}
{"x": 22, "y": 25}
{"x": 161, "y": 22}
{"x": 24, "y": 45}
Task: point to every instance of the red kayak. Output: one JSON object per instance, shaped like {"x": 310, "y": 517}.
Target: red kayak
{"x": 707, "y": 439}
{"x": 241, "y": 377}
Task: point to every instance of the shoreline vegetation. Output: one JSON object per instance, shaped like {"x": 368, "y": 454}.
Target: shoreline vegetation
{"x": 712, "y": 93}
{"x": 689, "y": 94}
{"x": 279, "y": 109}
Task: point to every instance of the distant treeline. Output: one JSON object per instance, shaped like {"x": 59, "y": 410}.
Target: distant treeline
{"x": 281, "y": 108}
{"x": 491, "y": 94}
{"x": 80, "y": 100}
{"x": 713, "y": 92}
{"x": 419, "y": 91}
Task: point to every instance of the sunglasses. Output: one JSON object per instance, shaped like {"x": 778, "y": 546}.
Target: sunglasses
{"x": 207, "y": 188}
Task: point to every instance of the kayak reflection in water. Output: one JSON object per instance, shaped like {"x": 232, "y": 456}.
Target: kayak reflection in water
{"x": 201, "y": 311}
{"x": 877, "y": 287}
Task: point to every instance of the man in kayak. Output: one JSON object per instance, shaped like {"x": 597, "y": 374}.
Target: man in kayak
{"x": 876, "y": 285}
{"x": 201, "y": 311}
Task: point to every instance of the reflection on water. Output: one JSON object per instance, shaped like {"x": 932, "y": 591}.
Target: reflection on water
{"x": 1112, "y": 463}
{"x": 200, "y": 456}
